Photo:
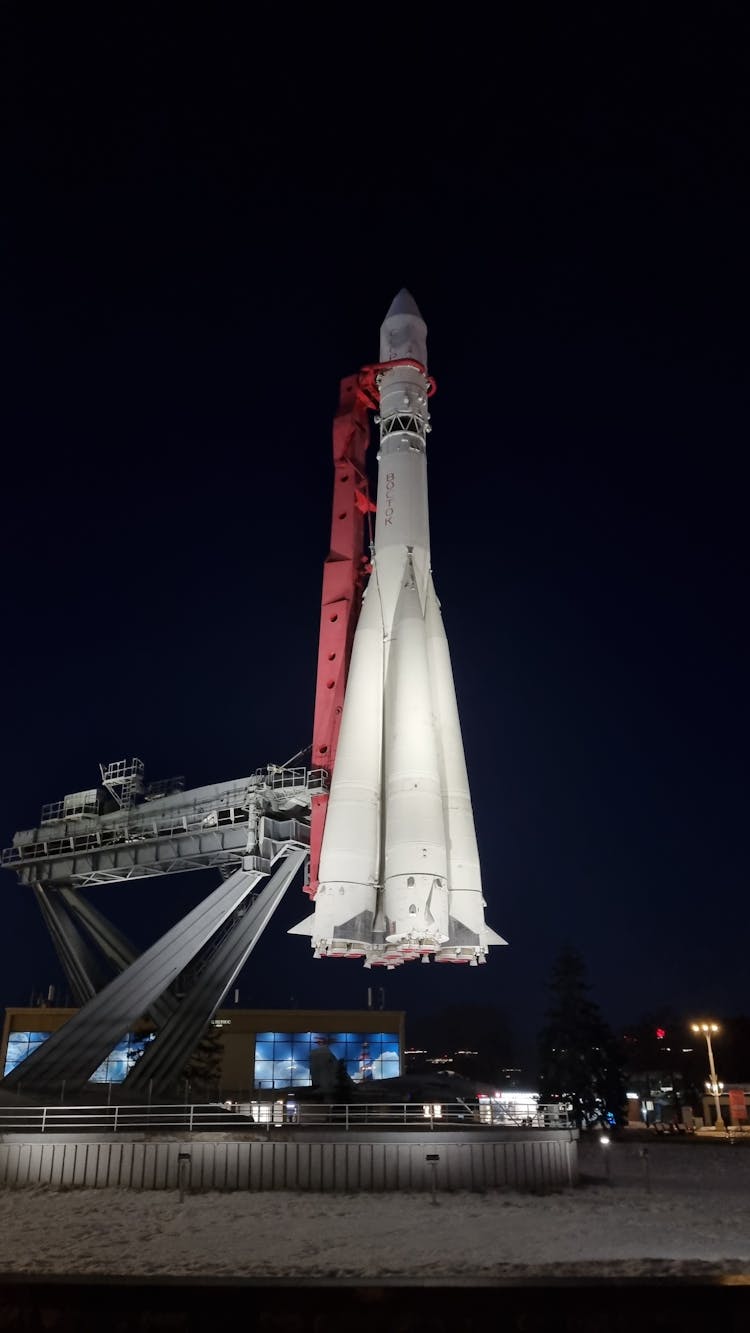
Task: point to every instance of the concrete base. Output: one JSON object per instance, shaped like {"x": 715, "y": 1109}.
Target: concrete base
{"x": 386, "y": 1160}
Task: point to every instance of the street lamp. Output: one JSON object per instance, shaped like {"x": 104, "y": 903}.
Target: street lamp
{"x": 706, "y": 1029}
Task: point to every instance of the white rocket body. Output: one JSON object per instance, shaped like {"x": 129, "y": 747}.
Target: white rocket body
{"x": 399, "y": 867}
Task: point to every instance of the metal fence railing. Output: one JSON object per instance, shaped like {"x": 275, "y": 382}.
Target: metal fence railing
{"x": 229, "y": 1117}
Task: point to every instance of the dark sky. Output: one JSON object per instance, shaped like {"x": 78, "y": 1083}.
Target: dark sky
{"x": 202, "y": 228}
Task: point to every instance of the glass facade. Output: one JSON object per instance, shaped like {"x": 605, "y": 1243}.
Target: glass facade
{"x": 282, "y": 1059}
{"x": 21, "y": 1044}
{"x": 120, "y": 1061}
{"x": 112, "y": 1070}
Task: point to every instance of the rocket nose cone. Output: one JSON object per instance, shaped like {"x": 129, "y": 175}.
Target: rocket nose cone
{"x": 403, "y": 333}
{"x": 403, "y": 303}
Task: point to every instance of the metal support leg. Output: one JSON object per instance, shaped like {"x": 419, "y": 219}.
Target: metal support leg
{"x": 164, "y": 1059}
{"x": 85, "y": 976}
{"x": 115, "y": 947}
{"x": 78, "y": 1048}
{"x": 112, "y": 943}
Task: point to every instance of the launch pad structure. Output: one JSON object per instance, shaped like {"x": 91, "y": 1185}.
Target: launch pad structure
{"x": 382, "y": 819}
{"x": 254, "y": 831}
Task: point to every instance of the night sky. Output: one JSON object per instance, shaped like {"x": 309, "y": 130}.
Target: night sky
{"x": 203, "y": 226}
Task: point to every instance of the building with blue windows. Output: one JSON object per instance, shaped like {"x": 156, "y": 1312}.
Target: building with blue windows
{"x": 262, "y": 1050}
{"x": 112, "y": 1070}
{"x": 282, "y": 1058}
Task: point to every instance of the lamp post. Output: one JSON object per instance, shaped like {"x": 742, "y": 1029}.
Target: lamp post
{"x": 706, "y": 1029}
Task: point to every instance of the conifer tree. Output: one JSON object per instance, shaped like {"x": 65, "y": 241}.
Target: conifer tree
{"x": 203, "y": 1071}
{"x": 580, "y": 1061}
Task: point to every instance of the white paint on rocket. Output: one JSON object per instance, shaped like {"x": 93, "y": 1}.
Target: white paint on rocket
{"x": 399, "y": 867}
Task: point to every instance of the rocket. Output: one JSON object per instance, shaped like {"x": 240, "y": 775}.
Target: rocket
{"x": 399, "y": 875}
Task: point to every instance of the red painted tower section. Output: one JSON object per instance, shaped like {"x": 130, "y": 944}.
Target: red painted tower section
{"x": 343, "y": 578}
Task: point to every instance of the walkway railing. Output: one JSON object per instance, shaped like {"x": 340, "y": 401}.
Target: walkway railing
{"x": 233, "y": 1117}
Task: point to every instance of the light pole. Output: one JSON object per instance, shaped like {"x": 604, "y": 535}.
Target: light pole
{"x": 706, "y": 1029}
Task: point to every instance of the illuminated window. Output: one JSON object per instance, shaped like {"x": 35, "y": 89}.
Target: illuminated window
{"x": 282, "y": 1059}
{"x": 112, "y": 1070}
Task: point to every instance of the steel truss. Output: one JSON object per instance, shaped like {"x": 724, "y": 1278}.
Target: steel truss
{"x": 166, "y": 1057}
{"x": 254, "y": 831}
{"x": 71, "y": 1054}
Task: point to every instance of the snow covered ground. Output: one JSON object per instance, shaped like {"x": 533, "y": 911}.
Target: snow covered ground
{"x": 695, "y": 1219}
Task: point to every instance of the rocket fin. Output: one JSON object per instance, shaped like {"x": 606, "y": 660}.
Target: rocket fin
{"x": 306, "y": 927}
{"x": 493, "y": 937}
